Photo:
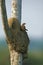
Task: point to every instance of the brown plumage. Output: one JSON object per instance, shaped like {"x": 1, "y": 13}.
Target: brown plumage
{"x": 23, "y": 28}
{"x": 20, "y": 39}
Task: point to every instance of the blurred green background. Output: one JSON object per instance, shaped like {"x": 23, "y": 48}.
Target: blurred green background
{"x": 35, "y": 53}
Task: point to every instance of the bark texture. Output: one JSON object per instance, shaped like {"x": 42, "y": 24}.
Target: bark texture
{"x": 15, "y": 57}
{"x": 16, "y": 9}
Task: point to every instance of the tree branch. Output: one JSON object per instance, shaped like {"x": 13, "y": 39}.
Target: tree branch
{"x": 4, "y": 18}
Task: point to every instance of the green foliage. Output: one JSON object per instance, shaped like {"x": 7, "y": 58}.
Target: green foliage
{"x": 32, "y": 58}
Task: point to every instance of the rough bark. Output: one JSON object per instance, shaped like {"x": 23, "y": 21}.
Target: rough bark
{"x": 16, "y": 13}
{"x": 15, "y": 57}
{"x": 16, "y": 9}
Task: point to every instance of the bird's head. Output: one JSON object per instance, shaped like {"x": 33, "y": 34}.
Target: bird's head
{"x": 23, "y": 28}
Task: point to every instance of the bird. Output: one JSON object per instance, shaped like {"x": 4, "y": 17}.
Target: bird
{"x": 23, "y": 28}
{"x": 19, "y": 39}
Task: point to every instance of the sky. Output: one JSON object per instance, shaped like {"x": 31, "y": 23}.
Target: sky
{"x": 32, "y": 15}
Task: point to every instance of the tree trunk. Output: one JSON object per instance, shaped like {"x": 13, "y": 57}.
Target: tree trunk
{"x": 4, "y": 18}
{"x": 16, "y": 9}
{"x": 15, "y": 57}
